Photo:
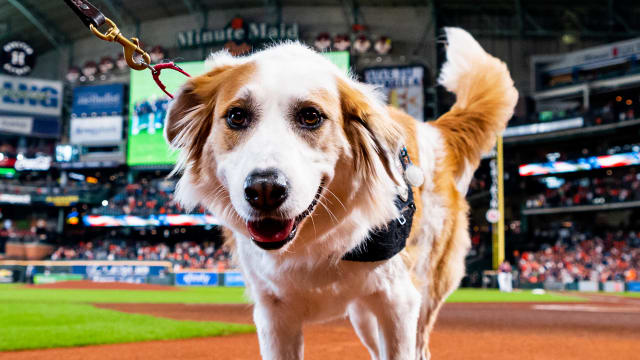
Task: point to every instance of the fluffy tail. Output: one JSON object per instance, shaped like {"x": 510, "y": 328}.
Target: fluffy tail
{"x": 485, "y": 99}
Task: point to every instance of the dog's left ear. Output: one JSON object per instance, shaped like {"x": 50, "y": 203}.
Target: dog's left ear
{"x": 371, "y": 132}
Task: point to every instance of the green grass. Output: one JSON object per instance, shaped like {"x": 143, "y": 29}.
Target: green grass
{"x": 43, "y": 325}
{"x": 491, "y": 295}
{"x": 32, "y": 318}
{"x": 187, "y": 295}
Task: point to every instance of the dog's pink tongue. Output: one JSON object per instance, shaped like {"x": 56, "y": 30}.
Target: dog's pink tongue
{"x": 270, "y": 230}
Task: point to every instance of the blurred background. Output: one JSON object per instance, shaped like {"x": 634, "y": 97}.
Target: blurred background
{"x": 83, "y": 164}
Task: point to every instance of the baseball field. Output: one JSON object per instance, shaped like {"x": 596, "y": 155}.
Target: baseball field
{"x": 82, "y": 320}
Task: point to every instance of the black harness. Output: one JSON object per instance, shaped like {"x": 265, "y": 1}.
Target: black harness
{"x": 384, "y": 243}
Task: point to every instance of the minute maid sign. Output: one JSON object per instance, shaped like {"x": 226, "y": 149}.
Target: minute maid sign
{"x": 238, "y": 32}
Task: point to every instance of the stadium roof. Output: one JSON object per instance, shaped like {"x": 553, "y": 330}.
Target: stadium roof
{"x": 48, "y": 25}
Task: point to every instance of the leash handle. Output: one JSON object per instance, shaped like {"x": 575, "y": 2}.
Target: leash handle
{"x": 87, "y": 13}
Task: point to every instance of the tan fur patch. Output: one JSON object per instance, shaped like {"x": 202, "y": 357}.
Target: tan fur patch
{"x": 367, "y": 130}
{"x": 200, "y": 102}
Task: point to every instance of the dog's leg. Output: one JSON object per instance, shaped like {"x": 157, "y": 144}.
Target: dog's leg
{"x": 279, "y": 332}
{"x": 396, "y": 308}
{"x": 366, "y": 326}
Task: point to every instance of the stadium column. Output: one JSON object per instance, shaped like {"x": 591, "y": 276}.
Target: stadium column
{"x": 498, "y": 231}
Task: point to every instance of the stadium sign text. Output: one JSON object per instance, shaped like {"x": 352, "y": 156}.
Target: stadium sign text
{"x": 40, "y": 163}
{"x": 30, "y": 96}
{"x": 97, "y": 100}
{"x": 196, "y": 278}
{"x": 238, "y": 33}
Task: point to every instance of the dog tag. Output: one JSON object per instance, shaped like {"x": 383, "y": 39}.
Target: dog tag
{"x": 403, "y": 193}
{"x": 414, "y": 175}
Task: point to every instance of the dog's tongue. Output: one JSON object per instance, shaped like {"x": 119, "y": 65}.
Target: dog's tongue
{"x": 270, "y": 230}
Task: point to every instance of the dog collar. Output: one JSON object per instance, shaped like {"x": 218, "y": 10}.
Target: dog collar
{"x": 384, "y": 243}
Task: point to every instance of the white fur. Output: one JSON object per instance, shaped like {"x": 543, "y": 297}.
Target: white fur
{"x": 300, "y": 284}
{"x": 463, "y": 52}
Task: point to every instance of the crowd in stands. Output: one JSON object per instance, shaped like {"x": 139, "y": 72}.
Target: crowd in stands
{"x": 591, "y": 190}
{"x": 580, "y": 256}
{"x": 183, "y": 255}
{"x": 144, "y": 198}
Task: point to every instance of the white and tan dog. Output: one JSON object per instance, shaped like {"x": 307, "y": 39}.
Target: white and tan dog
{"x": 300, "y": 162}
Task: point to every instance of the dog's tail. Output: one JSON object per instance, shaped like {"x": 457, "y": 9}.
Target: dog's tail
{"x": 485, "y": 99}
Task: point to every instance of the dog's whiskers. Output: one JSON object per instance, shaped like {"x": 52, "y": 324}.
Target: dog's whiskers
{"x": 334, "y": 195}
{"x": 333, "y": 217}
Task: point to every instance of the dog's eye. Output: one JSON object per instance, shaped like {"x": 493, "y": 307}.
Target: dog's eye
{"x": 237, "y": 118}
{"x": 309, "y": 117}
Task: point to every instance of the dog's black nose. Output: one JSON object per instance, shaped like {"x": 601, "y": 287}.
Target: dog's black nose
{"x": 266, "y": 189}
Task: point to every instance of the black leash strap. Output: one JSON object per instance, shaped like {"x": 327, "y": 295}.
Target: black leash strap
{"x": 86, "y": 12}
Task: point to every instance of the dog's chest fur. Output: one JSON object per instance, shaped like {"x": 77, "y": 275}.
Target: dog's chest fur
{"x": 319, "y": 289}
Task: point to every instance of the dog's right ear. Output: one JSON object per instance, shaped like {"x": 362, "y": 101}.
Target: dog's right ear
{"x": 190, "y": 114}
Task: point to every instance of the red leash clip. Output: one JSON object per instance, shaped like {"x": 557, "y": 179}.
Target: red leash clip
{"x": 155, "y": 72}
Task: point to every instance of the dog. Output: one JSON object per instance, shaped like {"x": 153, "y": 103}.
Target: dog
{"x": 304, "y": 165}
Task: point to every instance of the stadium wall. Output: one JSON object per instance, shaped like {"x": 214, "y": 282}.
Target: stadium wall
{"x": 148, "y": 272}
{"x": 162, "y": 272}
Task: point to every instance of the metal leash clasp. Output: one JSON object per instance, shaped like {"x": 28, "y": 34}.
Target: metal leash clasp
{"x": 130, "y": 46}
{"x": 155, "y": 73}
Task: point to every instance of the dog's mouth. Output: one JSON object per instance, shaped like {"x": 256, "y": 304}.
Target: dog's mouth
{"x": 272, "y": 234}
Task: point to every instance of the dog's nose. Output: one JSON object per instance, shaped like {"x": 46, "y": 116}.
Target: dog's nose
{"x": 266, "y": 189}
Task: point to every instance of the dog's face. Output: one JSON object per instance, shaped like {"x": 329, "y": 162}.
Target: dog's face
{"x": 262, "y": 138}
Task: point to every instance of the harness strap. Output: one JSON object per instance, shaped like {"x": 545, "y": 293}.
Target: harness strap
{"x": 384, "y": 243}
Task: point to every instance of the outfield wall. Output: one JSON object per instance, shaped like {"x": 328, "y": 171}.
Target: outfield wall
{"x": 162, "y": 272}
{"x": 139, "y": 272}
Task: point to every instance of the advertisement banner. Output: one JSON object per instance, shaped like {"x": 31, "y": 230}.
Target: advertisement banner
{"x": 403, "y": 87}
{"x": 233, "y": 279}
{"x": 599, "y": 56}
{"x": 30, "y": 96}
{"x": 62, "y": 200}
{"x": 6, "y": 276}
{"x": 16, "y": 124}
{"x": 53, "y": 278}
{"x": 96, "y": 130}
{"x": 154, "y": 220}
{"x": 38, "y": 163}
{"x": 238, "y": 32}
{"x": 590, "y": 286}
{"x": 197, "y": 278}
{"x": 581, "y": 164}
{"x": 543, "y": 127}
{"x": 633, "y": 286}
{"x": 613, "y": 286}
{"x": 98, "y": 100}
{"x": 118, "y": 273}
{"x": 15, "y": 199}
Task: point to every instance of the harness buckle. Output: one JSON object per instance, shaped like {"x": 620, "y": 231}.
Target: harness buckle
{"x": 402, "y": 220}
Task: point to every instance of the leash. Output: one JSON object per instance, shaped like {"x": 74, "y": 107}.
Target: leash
{"x": 92, "y": 18}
